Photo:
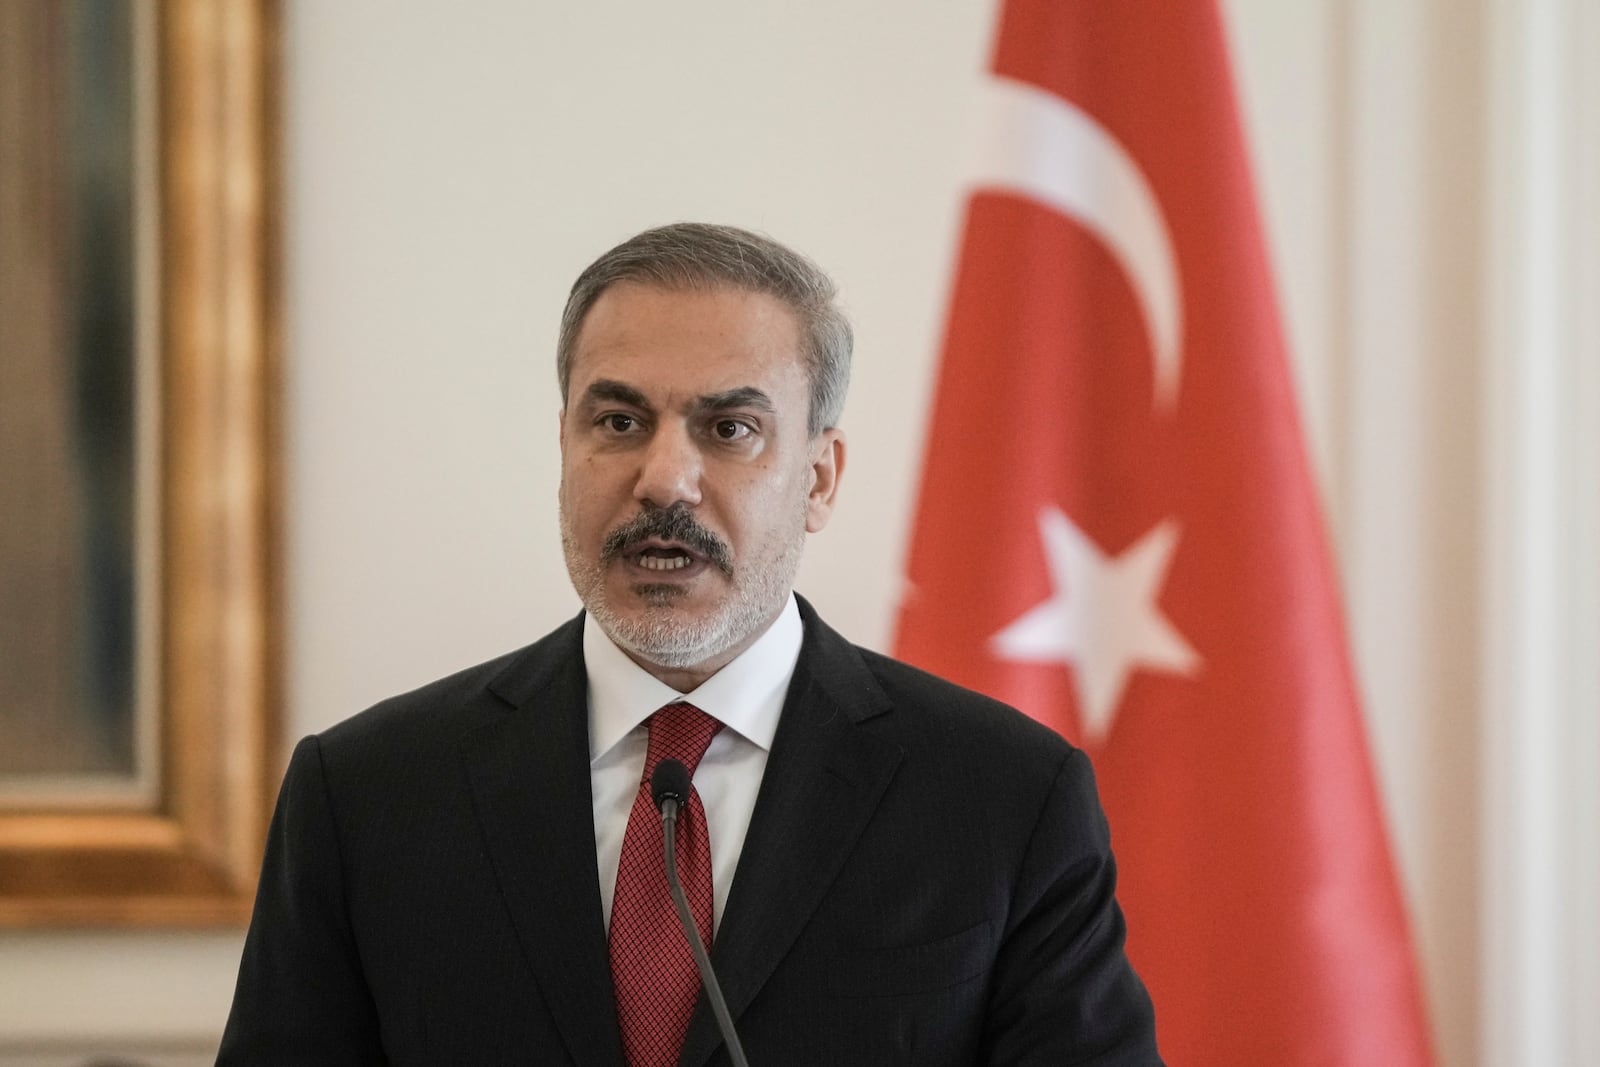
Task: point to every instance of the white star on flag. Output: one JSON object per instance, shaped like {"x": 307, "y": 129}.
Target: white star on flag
{"x": 1102, "y": 619}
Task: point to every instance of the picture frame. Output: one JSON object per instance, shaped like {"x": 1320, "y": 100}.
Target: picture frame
{"x": 189, "y": 854}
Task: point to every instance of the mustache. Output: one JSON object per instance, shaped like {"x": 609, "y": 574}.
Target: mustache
{"x": 676, "y": 523}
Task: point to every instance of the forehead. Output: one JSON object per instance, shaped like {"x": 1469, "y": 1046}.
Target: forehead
{"x": 694, "y": 341}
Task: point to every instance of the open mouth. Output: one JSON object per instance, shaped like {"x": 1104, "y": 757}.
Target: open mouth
{"x": 667, "y": 544}
{"x": 657, "y": 559}
{"x": 662, "y": 557}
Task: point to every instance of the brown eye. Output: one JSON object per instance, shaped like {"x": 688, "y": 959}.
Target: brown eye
{"x": 730, "y": 429}
{"x": 618, "y": 423}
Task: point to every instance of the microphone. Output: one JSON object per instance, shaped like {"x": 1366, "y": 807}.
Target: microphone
{"x": 670, "y": 781}
{"x": 669, "y": 788}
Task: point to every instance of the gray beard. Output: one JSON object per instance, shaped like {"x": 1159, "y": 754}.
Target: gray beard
{"x": 660, "y": 635}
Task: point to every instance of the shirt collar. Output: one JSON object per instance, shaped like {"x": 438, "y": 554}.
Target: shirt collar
{"x": 745, "y": 696}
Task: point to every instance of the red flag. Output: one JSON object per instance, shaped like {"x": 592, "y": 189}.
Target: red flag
{"x": 1118, "y": 533}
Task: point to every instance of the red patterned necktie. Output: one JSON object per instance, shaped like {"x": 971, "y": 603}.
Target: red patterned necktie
{"x": 651, "y": 965}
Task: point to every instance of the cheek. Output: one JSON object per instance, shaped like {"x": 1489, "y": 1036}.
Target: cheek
{"x": 777, "y": 505}
{"x": 565, "y": 494}
{"x": 577, "y": 498}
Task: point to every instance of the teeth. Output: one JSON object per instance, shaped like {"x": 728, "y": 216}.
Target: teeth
{"x": 663, "y": 563}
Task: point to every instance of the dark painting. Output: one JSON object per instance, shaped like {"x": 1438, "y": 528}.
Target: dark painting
{"x": 69, "y": 456}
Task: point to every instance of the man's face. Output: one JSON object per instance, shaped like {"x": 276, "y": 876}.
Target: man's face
{"x": 688, "y": 477}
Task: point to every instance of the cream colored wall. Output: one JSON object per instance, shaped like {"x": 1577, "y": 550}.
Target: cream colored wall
{"x": 450, "y": 167}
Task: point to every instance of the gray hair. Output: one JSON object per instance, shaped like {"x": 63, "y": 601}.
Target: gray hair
{"x": 695, "y": 255}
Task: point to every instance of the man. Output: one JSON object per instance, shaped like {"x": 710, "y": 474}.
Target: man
{"x": 889, "y": 869}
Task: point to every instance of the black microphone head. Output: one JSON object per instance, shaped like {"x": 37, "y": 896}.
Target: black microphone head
{"x": 669, "y": 781}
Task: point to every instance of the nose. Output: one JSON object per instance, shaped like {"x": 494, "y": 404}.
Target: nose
{"x": 670, "y": 468}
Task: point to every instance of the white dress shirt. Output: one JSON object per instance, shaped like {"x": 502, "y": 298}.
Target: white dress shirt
{"x": 746, "y": 696}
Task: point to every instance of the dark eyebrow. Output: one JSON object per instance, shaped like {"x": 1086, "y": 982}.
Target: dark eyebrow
{"x": 616, "y": 392}
{"x": 746, "y": 396}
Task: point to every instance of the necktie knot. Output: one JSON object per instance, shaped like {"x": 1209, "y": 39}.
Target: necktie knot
{"x": 679, "y": 731}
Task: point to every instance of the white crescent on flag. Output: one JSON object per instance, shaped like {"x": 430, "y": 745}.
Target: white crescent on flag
{"x": 1039, "y": 146}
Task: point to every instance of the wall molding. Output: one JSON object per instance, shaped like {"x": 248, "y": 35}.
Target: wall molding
{"x": 1541, "y": 654}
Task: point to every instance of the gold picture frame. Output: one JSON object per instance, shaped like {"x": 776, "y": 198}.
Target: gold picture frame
{"x": 191, "y": 854}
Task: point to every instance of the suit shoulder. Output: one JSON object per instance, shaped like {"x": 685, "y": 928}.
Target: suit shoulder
{"x": 955, "y": 740}
{"x": 443, "y": 708}
{"x": 942, "y": 704}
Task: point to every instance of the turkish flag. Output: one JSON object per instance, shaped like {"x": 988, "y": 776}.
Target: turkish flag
{"x": 1117, "y": 532}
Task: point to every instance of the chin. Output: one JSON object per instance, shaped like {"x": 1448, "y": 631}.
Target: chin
{"x": 664, "y": 631}
{"x": 676, "y": 644}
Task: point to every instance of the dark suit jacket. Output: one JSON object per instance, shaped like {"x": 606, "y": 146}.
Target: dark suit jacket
{"x": 927, "y": 879}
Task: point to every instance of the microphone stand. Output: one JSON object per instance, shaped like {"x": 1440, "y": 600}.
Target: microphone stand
{"x": 708, "y": 977}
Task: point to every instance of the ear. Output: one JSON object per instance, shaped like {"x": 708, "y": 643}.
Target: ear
{"x": 561, "y": 431}
{"x": 827, "y": 464}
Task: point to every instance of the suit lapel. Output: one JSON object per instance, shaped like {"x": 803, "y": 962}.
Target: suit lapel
{"x": 823, "y": 781}
{"x": 530, "y": 781}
